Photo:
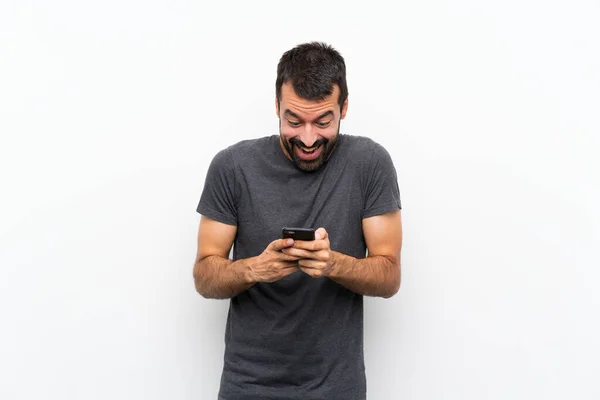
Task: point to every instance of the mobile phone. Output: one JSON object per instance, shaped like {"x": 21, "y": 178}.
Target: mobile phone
{"x": 298, "y": 233}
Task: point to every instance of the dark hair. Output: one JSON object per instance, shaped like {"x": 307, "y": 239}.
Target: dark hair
{"x": 312, "y": 68}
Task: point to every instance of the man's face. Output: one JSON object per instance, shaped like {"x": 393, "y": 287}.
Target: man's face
{"x": 309, "y": 129}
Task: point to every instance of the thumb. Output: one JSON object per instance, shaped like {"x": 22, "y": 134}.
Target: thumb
{"x": 281, "y": 244}
{"x": 321, "y": 233}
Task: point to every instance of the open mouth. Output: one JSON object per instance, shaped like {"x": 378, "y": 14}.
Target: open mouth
{"x": 308, "y": 151}
{"x": 308, "y": 154}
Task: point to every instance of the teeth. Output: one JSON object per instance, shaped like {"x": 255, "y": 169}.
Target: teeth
{"x": 308, "y": 151}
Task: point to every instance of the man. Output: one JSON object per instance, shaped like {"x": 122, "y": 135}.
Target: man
{"x": 295, "y": 323}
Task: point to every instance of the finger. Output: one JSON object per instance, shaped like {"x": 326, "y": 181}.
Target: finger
{"x": 292, "y": 264}
{"x": 311, "y": 245}
{"x": 315, "y": 273}
{"x": 287, "y": 263}
{"x": 299, "y": 253}
{"x": 319, "y": 255}
{"x": 321, "y": 233}
{"x": 281, "y": 244}
{"x": 289, "y": 267}
{"x": 313, "y": 264}
{"x": 288, "y": 257}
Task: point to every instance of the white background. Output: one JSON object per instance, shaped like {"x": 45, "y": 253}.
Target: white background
{"x": 110, "y": 112}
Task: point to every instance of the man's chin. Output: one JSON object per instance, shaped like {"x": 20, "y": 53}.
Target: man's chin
{"x": 309, "y": 166}
{"x": 306, "y": 165}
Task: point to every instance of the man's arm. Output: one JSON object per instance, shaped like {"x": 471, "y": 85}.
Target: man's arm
{"x": 218, "y": 277}
{"x": 215, "y": 275}
{"x": 379, "y": 273}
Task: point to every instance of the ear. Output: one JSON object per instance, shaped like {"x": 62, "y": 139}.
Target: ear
{"x": 344, "y": 108}
{"x": 277, "y": 106}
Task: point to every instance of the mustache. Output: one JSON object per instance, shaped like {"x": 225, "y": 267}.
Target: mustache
{"x": 298, "y": 142}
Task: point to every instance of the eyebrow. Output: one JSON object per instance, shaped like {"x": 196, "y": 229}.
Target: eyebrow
{"x": 294, "y": 115}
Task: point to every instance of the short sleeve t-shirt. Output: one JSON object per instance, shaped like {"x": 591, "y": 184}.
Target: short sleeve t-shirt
{"x": 299, "y": 337}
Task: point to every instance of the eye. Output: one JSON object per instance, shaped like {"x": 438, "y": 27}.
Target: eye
{"x": 323, "y": 124}
{"x": 294, "y": 123}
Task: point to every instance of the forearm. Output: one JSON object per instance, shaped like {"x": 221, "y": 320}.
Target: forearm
{"x": 372, "y": 276}
{"x": 219, "y": 278}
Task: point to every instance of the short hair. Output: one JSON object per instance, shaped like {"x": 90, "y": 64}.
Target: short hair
{"x": 312, "y": 68}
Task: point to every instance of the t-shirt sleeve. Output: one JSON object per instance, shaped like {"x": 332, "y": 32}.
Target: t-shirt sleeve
{"x": 382, "y": 190}
{"x": 218, "y": 199}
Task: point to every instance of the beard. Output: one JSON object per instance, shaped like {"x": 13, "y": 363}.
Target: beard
{"x": 317, "y": 163}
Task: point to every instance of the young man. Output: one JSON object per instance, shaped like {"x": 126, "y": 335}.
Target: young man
{"x": 295, "y": 323}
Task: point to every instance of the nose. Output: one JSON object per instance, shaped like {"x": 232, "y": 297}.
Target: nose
{"x": 309, "y": 135}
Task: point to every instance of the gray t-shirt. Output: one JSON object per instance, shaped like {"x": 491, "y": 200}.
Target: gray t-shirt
{"x": 299, "y": 337}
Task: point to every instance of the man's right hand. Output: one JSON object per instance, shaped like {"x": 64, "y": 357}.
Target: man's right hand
{"x": 272, "y": 265}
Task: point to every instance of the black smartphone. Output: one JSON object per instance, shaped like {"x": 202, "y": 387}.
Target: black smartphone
{"x": 298, "y": 233}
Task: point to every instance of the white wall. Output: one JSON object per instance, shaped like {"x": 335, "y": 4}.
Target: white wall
{"x": 111, "y": 111}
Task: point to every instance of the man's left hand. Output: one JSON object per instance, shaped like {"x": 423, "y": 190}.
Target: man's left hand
{"x": 316, "y": 257}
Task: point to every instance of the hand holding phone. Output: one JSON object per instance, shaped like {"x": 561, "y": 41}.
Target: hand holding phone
{"x": 272, "y": 264}
{"x": 315, "y": 256}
